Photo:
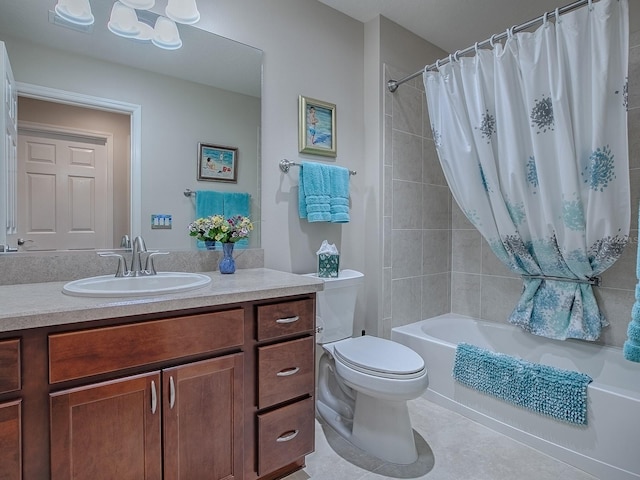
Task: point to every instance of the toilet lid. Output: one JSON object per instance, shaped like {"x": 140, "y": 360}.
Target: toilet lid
{"x": 377, "y": 356}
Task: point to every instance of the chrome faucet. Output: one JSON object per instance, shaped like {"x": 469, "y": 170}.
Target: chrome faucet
{"x": 136, "y": 270}
{"x": 139, "y": 247}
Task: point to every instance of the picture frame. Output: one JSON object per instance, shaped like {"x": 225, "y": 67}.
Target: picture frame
{"x": 217, "y": 163}
{"x": 317, "y": 127}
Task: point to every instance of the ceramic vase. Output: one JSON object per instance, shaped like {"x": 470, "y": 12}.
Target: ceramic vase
{"x": 227, "y": 263}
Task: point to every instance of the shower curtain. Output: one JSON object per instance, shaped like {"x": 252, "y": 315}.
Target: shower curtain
{"x": 532, "y": 138}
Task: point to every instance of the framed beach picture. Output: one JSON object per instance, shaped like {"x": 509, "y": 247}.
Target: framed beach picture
{"x": 217, "y": 164}
{"x": 317, "y": 127}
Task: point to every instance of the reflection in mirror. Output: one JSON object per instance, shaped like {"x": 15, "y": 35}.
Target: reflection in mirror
{"x": 208, "y": 91}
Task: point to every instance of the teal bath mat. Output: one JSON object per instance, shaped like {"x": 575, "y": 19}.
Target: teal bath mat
{"x": 561, "y": 394}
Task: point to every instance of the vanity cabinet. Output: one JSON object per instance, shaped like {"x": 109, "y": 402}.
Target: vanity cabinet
{"x": 10, "y": 411}
{"x": 183, "y": 421}
{"x": 212, "y": 392}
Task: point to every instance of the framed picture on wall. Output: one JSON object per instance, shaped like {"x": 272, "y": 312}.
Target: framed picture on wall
{"x": 217, "y": 164}
{"x": 317, "y": 127}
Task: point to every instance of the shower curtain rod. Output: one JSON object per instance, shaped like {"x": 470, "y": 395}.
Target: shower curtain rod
{"x": 393, "y": 85}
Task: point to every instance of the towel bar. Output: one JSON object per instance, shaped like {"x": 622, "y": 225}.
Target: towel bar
{"x": 286, "y": 164}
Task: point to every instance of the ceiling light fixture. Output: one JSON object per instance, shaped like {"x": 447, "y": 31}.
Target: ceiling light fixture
{"x": 75, "y": 11}
{"x": 123, "y": 21}
{"x": 166, "y": 35}
{"x": 139, "y": 4}
{"x": 183, "y": 11}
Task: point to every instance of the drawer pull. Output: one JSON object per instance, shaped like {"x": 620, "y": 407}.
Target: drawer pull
{"x": 288, "y": 319}
{"x": 286, "y": 436}
{"x": 288, "y": 371}
{"x": 172, "y": 393}
{"x": 154, "y": 398}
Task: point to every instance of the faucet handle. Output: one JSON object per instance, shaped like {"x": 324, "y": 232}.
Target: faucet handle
{"x": 122, "y": 263}
{"x": 149, "y": 266}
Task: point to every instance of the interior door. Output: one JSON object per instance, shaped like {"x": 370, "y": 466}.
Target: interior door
{"x": 64, "y": 193}
{"x": 8, "y": 146}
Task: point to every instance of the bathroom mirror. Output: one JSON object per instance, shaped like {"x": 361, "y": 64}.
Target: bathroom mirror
{"x": 207, "y": 91}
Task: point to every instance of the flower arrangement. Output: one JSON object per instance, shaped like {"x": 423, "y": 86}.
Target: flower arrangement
{"x": 220, "y": 229}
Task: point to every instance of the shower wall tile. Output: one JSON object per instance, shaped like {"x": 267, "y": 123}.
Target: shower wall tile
{"x": 458, "y": 219}
{"x": 436, "y": 295}
{"x": 406, "y": 253}
{"x": 407, "y": 110}
{"x": 498, "y": 297}
{"x": 427, "y": 132}
{"x": 466, "y": 251}
{"x": 387, "y": 298}
{"x": 407, "y": 157}
{"x": 616, "y": 306}
{"x": 407, "y": 300}
{"x": 436, "y": 252}
{"x": 623, "y": 273}
{"x": 388, "y": 143}
{"x": 388, "y": 192}
{"x": 634, "y": 39}
{"x": 465, "y": 294}
{"x": 387, "y": 241}
{"x": 407, "y": 204}
{"x": 433, "y": 173}
{"x": 634, "y": 178}
{"x": 634, "y": 77}
{"x": 633, "y": 126}
{"x": 491, "y": 265}
{"x": 436, "y": 205}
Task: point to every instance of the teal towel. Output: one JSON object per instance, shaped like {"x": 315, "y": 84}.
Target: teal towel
{"x": 314, "y": 192}
{"x": 237, "y": 203}
{"x": 561, "y": 394}
{"x": 339, "y": 194}
{"x": 209, "y": 202}
{"x": 631, "y": 347}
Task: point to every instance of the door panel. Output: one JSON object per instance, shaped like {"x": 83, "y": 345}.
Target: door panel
{"x": 63, "y": 191}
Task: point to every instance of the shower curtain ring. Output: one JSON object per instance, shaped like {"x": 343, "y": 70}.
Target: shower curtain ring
{"x": 491, "y": 40}
{"x": 438, "y": 64}
{"x": 558, "y": 15}
{"x": 476, "y": 48}
{"x": 590, "y": 5}
{"x": 455, "y": 56}
{"x": 544, "y": 19}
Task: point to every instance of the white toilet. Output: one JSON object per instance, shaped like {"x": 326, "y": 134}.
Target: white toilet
{"x": 364, "y": 382}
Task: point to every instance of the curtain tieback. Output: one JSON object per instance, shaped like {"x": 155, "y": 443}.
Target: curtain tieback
{"x": 595, "y": 281}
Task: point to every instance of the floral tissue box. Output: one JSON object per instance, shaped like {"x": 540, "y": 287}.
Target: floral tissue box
{"x": 328, "y": 265}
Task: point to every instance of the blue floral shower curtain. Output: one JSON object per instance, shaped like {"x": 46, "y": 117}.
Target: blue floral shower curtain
{"x": 532, "y": 138}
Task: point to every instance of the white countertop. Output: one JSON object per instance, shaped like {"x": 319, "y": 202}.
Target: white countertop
{"x": 36, "y": 305}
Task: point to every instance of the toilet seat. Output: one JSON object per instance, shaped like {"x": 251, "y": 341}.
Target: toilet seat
{"x": 379, "y": 357}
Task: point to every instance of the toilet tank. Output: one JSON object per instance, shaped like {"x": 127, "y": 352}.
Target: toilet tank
{"x": 336, "y": 304}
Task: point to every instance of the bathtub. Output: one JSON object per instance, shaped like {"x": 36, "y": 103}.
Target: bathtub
{"x": 608, "y": 447}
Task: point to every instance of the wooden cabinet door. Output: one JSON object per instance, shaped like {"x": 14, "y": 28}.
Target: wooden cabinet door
{"x": 108, "y": 430}
{"x": 10, "y": 441}
{"x": 203, "y": 419}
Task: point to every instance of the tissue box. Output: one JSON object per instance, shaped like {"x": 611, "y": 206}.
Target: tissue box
{"x": 328, "y": 265}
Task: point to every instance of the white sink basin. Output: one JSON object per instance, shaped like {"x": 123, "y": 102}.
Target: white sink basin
{"x": 111, "y": 286}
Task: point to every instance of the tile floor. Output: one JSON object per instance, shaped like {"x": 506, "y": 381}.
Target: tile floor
{"x": 450, "y": 447}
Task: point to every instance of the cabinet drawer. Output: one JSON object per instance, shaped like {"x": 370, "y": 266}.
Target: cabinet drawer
{"x": 10, "y": 365}
{"x": 285, "y": 371}
{"x": 11, "y": 440}
{"x": 286, "y": 318}
{"x": 101, "y": 350}
{"x": 284, "y": 435}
